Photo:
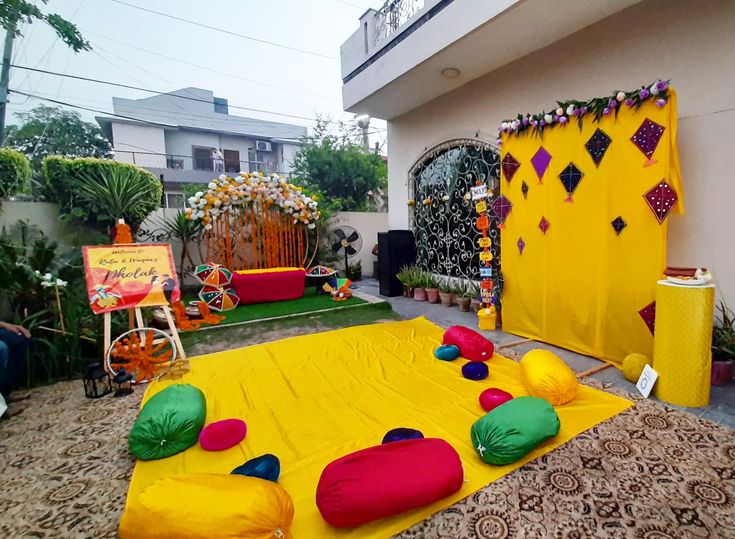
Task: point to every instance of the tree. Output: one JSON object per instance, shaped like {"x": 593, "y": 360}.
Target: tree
{"x": 46, "y": 131}
{"x": 339, "y": 168}
{"x": 13, "y": 12}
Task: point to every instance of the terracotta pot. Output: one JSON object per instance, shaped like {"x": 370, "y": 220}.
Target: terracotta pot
{"x": 475, "y": 305}
{"x": 446, "y": 298}
{"x": 463, "y": 303}
{"x": 721, "y": 372}
{"x": 419, "y": 293}
{"x": 407, "y": 291}
{"x": 432, "y": 295}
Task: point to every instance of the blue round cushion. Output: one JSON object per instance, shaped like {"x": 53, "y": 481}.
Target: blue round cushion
{"x": 475, "y": 370}
{"x": 401, "y": 433}
{"x": 266, "y": 467}
{"x": 447, "y": 352}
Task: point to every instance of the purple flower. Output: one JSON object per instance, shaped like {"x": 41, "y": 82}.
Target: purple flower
{"x": 661, "y": 85}
{"x": 644, "y": 94}
{"x": 629, "y": 102}
{"x": 556, "y": 117}
{"x": 525, "y": 120}
{"x": 606, "y": 111}
{"x": 611, "y": 104}
{"x": 543, "y": 123}
{"x": 584, "y": 110}
{"x": 563, "y": 119}
{"x": 499, "y": 141}
{"x": 577, "y": 112}
{"x": 660, "y": 102}
{"x": 535, "y": 123}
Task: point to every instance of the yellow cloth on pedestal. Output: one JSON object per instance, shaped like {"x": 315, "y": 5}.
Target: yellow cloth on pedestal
{"x": 682, "y": 348}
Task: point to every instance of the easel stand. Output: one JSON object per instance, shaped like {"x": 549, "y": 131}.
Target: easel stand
{"x": 135, "y": 318}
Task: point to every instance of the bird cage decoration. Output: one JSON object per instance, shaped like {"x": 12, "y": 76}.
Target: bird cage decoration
{"x": 253, "y": 221}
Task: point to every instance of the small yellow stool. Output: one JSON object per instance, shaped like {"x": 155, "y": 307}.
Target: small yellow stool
{"x": 487, "y": 318}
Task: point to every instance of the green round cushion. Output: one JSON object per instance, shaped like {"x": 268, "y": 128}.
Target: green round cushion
{"x": 168, "y": 423}
{"x": 513, "y": 429}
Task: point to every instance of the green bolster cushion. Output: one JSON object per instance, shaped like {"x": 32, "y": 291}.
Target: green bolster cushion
{"x": 513, "y": 429}
{"x": 168, "y": 423}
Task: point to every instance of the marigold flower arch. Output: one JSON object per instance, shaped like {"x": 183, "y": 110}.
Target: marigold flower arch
{"x": 253, "y": 221}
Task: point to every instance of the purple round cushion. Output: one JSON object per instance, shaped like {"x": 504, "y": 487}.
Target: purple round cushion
{"x": 223, "y": 434}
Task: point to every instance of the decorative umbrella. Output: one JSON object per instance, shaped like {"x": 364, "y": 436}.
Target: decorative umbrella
{"x": 212, "y": 274}
{"x": 219, "y": 299}
{"x": 318, "y": 275}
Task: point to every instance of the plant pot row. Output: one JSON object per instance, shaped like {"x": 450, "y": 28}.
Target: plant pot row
{"x": 434, "y": 295}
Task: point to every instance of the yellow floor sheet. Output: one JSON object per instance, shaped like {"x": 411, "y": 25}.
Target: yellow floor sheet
{"x": 314, "y": 398}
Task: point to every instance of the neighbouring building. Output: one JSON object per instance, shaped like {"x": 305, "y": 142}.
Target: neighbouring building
{"x": 446, "y": 73}
{"x": 173, "y": 135}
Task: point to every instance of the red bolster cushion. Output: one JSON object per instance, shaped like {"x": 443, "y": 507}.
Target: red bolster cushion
{"x": 387, "y": 479}
{"x": 471, "y": 344}
{"x": 262, "y": 286}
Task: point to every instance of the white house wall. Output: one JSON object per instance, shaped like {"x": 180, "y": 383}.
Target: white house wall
{"x": 135, "y": 143}
{"x": 691, "y": 43}
{"x": 181, "y": 143}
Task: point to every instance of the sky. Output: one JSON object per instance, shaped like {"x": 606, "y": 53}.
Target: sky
{"x": 143, "y": 49}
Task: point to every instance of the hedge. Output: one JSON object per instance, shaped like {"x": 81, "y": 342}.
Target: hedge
{"x": 15, "y": 172}
{"x": 61, "y": 173}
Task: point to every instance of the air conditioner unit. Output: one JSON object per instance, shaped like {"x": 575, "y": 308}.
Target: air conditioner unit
{"x": 263, "y": 146}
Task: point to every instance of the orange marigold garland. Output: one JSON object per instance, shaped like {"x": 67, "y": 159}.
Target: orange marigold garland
{"x": 183, "y": 322}
{"x": 143, "y": 361}
{"x": 123, "y": 234}
{"x": 207, "y": 316}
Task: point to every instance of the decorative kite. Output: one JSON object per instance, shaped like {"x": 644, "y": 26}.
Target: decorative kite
{"x": 646, "y": 138}
{"x": 521, "y": 245}
{"x": 619, "y": 224}
{"x": 524, "y": 189}
{"x": 212, "y": 274}
{"x": 597, "y": 145}
{"x": 219, "y": 299}
{"x": 544, "y": 224}
{"x": 501, "y": 207}
{"x": 570, "y": 178}
{"x": 540, "y": 162}
{"x": 661, "y": 198}
{"x": 510, "y": 165}
{"x": 648, "y": 314}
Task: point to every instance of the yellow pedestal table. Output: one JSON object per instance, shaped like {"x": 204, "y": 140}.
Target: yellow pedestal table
{"x": 682, "y": 354}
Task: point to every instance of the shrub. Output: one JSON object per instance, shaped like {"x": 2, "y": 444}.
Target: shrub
{"x": 15, "y": 172}
{"x": 98, "y": 191}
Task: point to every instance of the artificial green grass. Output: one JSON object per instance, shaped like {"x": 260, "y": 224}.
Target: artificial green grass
{"x": 310, "y": 302}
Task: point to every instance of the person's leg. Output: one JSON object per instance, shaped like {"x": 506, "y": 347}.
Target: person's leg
{"x": 15, "y": 364}
{"x": 5, "y": 383}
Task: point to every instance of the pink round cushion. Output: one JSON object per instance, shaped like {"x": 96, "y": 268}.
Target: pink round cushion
{"x": 223, "y": 434}
{"x": 493, "y": 397}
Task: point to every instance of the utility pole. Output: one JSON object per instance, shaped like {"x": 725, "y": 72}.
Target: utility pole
{"x": 363, "y": 122}
{"x": 5, "y": 76}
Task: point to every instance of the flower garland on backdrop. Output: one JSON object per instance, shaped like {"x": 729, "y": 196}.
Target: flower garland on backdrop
{"x": 572, "y": 109}
{"x": 227, "y": 193}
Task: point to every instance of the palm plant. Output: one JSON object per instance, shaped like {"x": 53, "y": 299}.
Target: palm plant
{"x": 185, "y": 230}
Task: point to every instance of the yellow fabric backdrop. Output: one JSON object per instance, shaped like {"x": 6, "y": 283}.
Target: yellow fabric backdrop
{"x": 315, "y": 398}
{"x": 580, "y": 286}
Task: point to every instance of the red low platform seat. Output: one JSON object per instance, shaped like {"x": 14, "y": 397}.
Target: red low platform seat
{"x": 273, "y": 284}
{"x": 387, "y": 479}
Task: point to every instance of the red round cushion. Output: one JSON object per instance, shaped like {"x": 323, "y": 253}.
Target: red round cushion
{"x": 222, "y": 434}
{"x": 386, "y": 480}
{"x": 493, "y": 397}
{"x": 471, "y": 344}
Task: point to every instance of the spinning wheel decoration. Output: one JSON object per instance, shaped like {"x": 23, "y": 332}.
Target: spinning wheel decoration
{"x": 146, "y": 353}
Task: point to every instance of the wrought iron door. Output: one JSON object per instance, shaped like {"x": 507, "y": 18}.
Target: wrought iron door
{"x": 443, "y": 213}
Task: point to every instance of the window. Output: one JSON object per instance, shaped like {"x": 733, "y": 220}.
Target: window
{"x": 220, "y": 105}
{"x": 254, "y": 164}
{"x": 175, "y": 200}
{"x": 232, "y": 160}
{"x": 202, "y": 158}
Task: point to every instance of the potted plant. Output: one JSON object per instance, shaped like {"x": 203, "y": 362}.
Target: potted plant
{"x": 463, "y": 295}
{"x": 446, "y": 294}
{"x": 406, "y": 276}
{"x": 432, "y": 288}
{"x": 474, "y": 292}
{"x": 419, "y": 290}
{"x": 354, "y": 271}
{"x": 723, "y": 346}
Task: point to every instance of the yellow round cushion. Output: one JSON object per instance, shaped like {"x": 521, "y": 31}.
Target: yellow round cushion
{"x": 633, "y": 366}
{"x": 207, "y": 506}
{"x": 546, "y": 375}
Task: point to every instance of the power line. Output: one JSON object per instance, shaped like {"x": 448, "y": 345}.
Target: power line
{"x": 206, "y": 68}
{"x": 158, "y": 92}
{"x": 222, "y": 31}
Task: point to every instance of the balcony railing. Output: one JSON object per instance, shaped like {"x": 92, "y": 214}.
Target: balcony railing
{"x": 190, "y": 162}
{"x": 392, "y": 15}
